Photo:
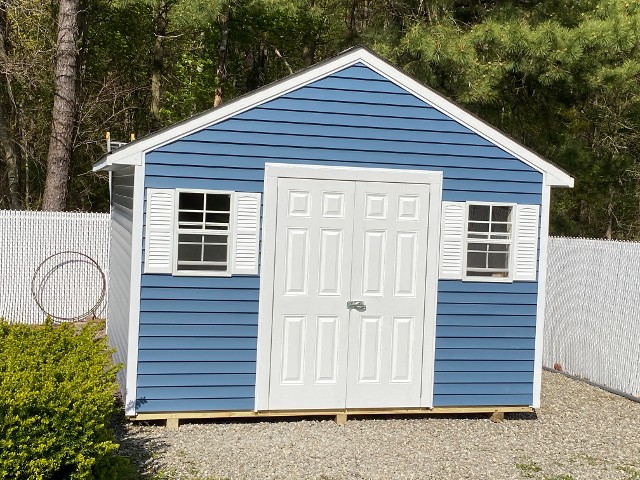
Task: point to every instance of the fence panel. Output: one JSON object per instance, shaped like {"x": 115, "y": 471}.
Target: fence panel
{"x": 67, "y": 285}
{"x": 592, "y": 326}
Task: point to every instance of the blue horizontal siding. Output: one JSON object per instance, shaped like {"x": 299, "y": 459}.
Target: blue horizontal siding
{"x": 511, "y": 388}
{"x": 265, "y": 153}
{"x": 434, "y": 123}
{"x": 483, "y": 366}
{"x": 197, "y": 380}
{"x": 498, "y": 354}
{"x": 198, "y": 332}
{"x": 187, "y": 392}
{"x": 185, "y": 368}
{"x": 484, "y": 332}
{"x": 234, "y": 162}
{"x": 198, "y": 318}
{"x": 196, "y": 343}
{"x": 194, "y": 405}
{"x": 164, "y": 293}
{"x": 481, "y": 342}
{"x": 225, "y": 331}
{"x": 469, "y": 400}
{"x": 483, "y": 377}
{"x": 208, "y": 306}
{"x": 352, "y": 132}
{"x": 457, "y": 286}
{"x": 488, "y": 298}
{"x": 238, "y": 282}
{"x": 487, "y": 320}
{"x": 199, "y": 355}
{"x": 483, "y": 309}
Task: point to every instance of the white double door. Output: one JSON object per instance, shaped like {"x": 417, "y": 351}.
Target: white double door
{"x": 340, "y": 242}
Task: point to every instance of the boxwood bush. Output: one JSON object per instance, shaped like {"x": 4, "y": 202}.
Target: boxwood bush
{"x": 57, "y": 389}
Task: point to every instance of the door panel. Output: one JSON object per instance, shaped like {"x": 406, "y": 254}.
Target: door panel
{"x": 311, "y": 289}
{"x": 389, "y": 275}
{"x": 339, "y": 241}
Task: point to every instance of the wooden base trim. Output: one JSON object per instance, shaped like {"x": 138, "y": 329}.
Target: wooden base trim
{"x": 333, "y": 413}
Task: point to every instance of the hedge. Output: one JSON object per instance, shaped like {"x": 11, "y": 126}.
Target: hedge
{"x": 57, "y": 388}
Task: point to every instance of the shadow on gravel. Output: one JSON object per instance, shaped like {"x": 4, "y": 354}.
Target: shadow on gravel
{"x": 139, "y": 448}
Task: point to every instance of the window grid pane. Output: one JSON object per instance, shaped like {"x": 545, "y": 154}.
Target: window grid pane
{"x": 489, "y": 239}
{"x": 203, "y": 231}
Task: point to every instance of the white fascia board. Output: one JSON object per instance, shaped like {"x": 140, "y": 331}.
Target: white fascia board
{"x": 107, "y": 162}
{"x": 554, "y": 176}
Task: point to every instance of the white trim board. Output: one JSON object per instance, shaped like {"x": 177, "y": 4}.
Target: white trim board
{"x": 542, "y": 294}
{"x": 553, "y": 175}
{"x": 273, "y": 172}
{"x": 134, "y": 291}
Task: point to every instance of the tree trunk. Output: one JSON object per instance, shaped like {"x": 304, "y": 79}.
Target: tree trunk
{"x": 7, "y": 113}
{"x": 64, "y": 109}
{"x": 309, "y": 48}
{"x": 11, "y": 160}
{"x": 221, "y": 70}
{"x": 157, "y": 66}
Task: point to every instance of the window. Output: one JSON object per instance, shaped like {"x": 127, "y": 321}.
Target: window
{"x": 485, "y": 242}
{"x": 203, "y": 233}
{"x": 489, "y": 241}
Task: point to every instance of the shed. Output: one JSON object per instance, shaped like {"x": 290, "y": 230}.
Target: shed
{"x": 344, "y": 240}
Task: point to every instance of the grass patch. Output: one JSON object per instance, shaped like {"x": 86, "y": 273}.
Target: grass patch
{"x": 633, "y": 472}
{"x": 528, "y": 469}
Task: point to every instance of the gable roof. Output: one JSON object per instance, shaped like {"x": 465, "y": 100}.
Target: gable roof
{"x": 130, "y": 154}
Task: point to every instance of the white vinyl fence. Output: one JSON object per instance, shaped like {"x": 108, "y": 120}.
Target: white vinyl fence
{"x": 67, "y": 284}
{"x": 592, "y": 326}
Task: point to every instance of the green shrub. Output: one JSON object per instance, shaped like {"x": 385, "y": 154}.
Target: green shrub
{"x": 57, "y": 389}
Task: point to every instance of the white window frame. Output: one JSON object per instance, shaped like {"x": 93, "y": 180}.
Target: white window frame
{"x": 512, "y": 244}
{"x": 176, "y": 232}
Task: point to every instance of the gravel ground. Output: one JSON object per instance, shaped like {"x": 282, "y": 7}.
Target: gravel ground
{"x": 581, "y": 432}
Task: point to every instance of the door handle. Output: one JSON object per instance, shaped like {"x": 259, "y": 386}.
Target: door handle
{"x": 356, "y": 305}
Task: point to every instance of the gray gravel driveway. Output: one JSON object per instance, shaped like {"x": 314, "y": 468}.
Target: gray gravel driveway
{"x": 581, "y": 432}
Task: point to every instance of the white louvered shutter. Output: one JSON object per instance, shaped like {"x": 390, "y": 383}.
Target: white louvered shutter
{"x": 245, "y": 252}
{"x": 158, "y": 257}
{"x": 526, "y": 244}
{"x": 452, "y": 239}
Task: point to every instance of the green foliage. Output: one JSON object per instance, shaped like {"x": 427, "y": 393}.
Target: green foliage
{"x": 56, "y": 401}
{"x": 562, "y": 78}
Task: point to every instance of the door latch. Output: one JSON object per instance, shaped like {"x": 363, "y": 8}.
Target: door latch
{"x": 356, "y": 305}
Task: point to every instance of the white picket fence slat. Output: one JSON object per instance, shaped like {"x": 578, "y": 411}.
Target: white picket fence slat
{"x": 592, "y": 325}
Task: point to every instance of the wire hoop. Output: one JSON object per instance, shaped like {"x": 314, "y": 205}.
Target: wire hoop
{"x": 54, "y": 279}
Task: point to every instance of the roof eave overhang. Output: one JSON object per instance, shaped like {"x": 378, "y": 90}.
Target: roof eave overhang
{"x": 131, "y": 154}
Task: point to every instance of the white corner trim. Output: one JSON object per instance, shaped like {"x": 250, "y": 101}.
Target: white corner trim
{"x": 542, "y": 284}
{"x": 274, "y": 171}
{"x": 431, "y": 296}
{"x": 265, "y": 305}
{"x": 134, "y": 292}
{"x": 554, "y": 176}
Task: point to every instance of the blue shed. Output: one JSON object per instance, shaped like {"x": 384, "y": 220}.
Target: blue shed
{"x": 343, "y": 241}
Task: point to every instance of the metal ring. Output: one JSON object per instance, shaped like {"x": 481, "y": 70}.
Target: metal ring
{"x": 37, "y": 287}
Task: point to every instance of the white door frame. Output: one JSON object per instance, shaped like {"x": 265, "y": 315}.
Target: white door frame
{"x": 274, "y": 171}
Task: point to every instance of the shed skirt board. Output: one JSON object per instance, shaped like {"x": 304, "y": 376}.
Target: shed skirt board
{"x": 340, "y": 241}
